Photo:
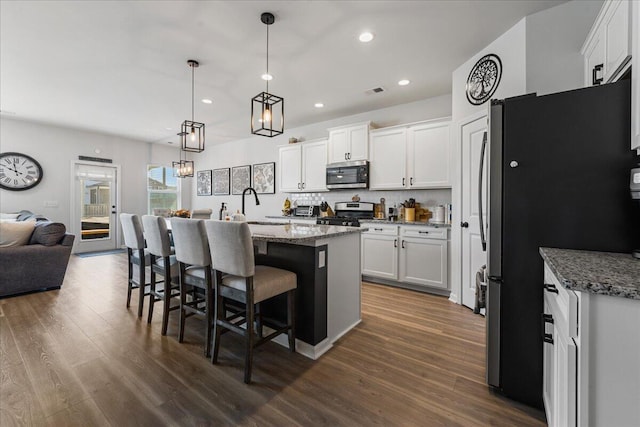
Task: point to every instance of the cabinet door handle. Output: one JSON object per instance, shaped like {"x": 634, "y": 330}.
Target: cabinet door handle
{"x": 299, "y": 188}
{"x": 547, "y": 318}
{"x": 411, "y": 181}
{"x": 395, "y": 243}
{"x": 345, "y": 156}
{"x": 548, "y": 338}
{"x": 594, "y": 74}
{"x": 423, "y": 232}
{"x": 378, "y": 229}
{"x": 304, "y": 184}
{"x": 402, "y": 243}
{"x": 403, "y": 180}
{"x": 348, "y": 156}
{"x": 551, "y": 288}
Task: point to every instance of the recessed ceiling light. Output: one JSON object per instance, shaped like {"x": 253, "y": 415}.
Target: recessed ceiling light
{"x": 318, "y": 105}
{"x": 404, "y": 82}
{"x": 207, "y": 101}
{"x": 267, "y": 77}
{"x": 365, "y": 37}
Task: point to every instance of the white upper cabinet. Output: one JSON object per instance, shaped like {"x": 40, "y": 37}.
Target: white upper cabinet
{"x": 607, "y": 50}
{"x": 635, "y": 76}
{"x": 349, "y": 143}
{"x": 411, "y": 157}
{"x": 388, "y": 159}
{"x": 303, "y": 167}
{"x": 429, "y": 155}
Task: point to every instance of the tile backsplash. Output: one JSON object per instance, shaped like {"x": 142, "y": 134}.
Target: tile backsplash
{"x": 426, "y": 198}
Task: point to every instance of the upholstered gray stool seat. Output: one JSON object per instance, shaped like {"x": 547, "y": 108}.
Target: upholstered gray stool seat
{"x": 163, "y": 263}
{"x": 237, "y": 278}
{"x": 267, "y": 282}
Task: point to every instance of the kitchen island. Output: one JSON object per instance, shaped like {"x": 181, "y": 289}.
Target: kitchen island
{"x": 326, "y": 260}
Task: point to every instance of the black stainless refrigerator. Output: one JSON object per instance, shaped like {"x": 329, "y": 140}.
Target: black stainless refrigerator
{"x": 558, "y": 169}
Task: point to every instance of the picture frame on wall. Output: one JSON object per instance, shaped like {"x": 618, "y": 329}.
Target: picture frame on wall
{"x": 240, "y": 178}
{"x": 221, "y": 182}
{"x": 204, "y": 183}
{"x": 264, "y": 178}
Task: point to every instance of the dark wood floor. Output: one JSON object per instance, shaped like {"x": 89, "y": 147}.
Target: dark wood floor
{"x": 78, "y": 357}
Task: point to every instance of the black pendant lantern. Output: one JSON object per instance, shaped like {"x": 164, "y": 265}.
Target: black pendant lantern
{"x": 267, "y": 109}
{"x": 192, "y": 132}
{"x": 183, "y": 168}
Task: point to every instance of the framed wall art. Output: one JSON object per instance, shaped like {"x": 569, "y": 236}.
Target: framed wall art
{"x": 264, "y": 178}
{"x": 240, "y": 178}
{"x": 221, "y": 182}
{"x": 204, "y": 183}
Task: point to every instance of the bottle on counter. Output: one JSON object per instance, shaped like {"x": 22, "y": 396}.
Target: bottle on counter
{"x": 223, "y": 210}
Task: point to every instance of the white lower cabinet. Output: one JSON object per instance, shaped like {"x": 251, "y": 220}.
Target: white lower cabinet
{"x": 407, "y": 254}
{"x": 591, "y": 375}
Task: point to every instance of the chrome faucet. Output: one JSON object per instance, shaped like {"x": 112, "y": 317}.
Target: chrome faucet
{"x": 249, "y": 189}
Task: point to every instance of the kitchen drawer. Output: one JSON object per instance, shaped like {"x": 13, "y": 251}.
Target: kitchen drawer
{"x": 390, "y": 230}
{"x": 564, "y": 303}
{"x": 424, "y": 232}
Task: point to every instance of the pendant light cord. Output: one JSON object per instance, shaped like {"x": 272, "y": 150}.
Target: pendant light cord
{"x": 268, "y": 59}
{"x": 192, "y": 96}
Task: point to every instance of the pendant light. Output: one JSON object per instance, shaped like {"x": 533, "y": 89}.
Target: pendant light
{"x": 192, "y": 132}
{"x": 183, "y": 168}
{"x": 267, "y": 110}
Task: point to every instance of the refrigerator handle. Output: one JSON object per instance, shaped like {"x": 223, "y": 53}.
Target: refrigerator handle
{"x": 480, "y": 215}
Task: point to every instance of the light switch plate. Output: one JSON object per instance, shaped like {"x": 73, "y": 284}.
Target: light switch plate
{"x": 322, "y": 255}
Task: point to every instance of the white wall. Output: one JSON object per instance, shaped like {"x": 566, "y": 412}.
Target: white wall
{"x": 554, "y": 39}
{"x": 55, "y": 148}
{"x": 260, "y": 150}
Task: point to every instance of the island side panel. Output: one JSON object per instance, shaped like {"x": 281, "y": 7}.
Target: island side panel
{"x": 311, "y": 294}
{"x": 343, "y": 284}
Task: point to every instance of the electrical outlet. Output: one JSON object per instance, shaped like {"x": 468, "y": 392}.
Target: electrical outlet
{"x": 50, "y": 203}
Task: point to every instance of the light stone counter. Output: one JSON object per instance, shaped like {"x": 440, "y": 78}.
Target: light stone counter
{"x": 602, "y": 273}
{"x": 298, "y": 233}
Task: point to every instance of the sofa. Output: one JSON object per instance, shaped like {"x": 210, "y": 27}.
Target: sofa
{"x": 34, "y": 253}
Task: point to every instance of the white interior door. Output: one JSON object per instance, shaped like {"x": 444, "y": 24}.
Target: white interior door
{"x": 473, "y": 257}
{"x": 94, "y": 207}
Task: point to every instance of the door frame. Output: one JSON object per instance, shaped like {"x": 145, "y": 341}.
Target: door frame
{"x": 75, "y": 221}
{"x": 456, "y": 197}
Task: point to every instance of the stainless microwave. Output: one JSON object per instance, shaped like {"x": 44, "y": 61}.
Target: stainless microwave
{"x": 348, "y": 175}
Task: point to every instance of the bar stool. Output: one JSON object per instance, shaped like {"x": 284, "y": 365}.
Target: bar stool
{"x": 238, "y": 278}
{"x": 163, "y": 263}
{"x": 136, "y": 256}
{"x": 194, "y": 259}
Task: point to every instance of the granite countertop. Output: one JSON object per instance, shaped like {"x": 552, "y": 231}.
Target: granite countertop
{"x": 298, "y": 233}
{"x": 603, "y": 273}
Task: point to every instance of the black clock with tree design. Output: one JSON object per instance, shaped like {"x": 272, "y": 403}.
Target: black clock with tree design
{"x": 484, "y": 79}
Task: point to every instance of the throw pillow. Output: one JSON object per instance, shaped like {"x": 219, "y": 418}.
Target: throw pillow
{"x": 15, "y": 233}
{"x": 47, "y": 233}
{"x": 23, "y": 215}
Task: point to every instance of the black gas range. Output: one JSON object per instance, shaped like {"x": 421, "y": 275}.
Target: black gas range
{"x": 349, "y": 214}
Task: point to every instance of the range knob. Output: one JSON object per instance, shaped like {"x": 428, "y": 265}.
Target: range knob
{"x": 345, "y": 223}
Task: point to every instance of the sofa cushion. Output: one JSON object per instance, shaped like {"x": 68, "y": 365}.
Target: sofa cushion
{"x": 23, "y": 215}
{"x": 47, "y": 233}
{"x": 15, "y": 233}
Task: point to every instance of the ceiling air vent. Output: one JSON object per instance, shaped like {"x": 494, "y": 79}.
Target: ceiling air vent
{"x": 374, "y": 90}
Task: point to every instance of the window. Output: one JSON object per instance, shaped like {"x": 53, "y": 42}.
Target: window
{"x": 163, "y": 189}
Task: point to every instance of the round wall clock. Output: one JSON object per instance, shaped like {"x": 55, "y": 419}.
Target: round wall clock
{"x": 484, "y": 79}
{"x": 19, "y": 172}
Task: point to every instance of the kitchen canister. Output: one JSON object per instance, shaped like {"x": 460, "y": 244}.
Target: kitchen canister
{"x": 438, "y": 214}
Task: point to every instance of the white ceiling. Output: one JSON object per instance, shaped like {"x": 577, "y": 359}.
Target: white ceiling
{"x": 119, "y": 67}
